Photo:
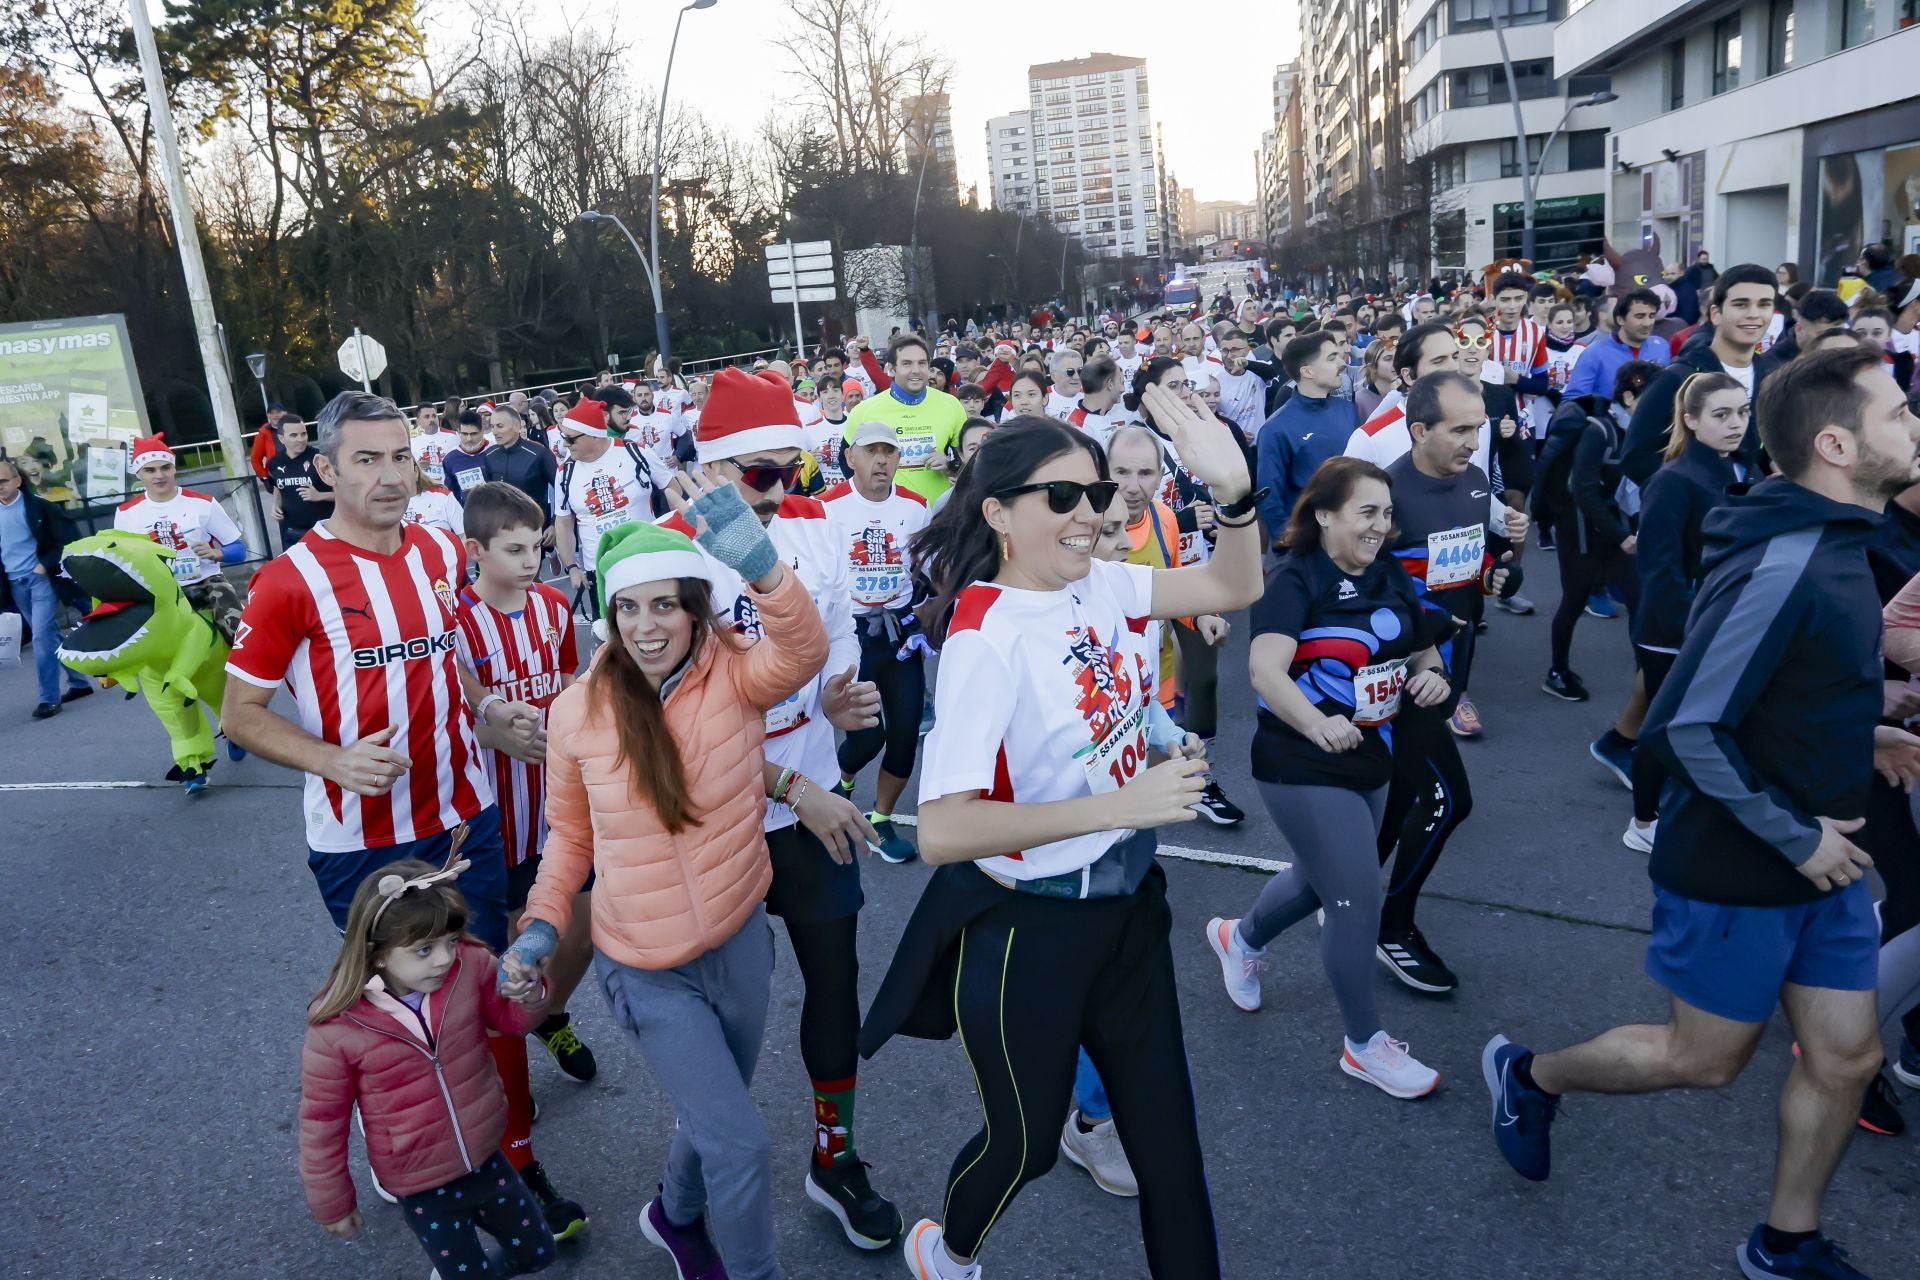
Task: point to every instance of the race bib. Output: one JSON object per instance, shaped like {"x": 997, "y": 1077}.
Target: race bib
{"x": 1376, "y": 691}
{"x": 1194, "y": 548}
{"x": 613, "y": 520}
{"x": 186, "y": 566}
{"x": 787, "y": 716}
{"x": 872, "y": 589}
{"x": 1117, "y": 758}
{"x": 916, "y": 451}
{"x": 1454, "y": 556}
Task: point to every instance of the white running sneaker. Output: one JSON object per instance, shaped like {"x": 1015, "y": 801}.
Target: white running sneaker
{"x": 1384, "y": 1063}
{"x": 928, "y": 1260}
{"x": 1639, "y": 838}
{"x": 1098, "y": 1151}
{"x": 1239, "y": 967}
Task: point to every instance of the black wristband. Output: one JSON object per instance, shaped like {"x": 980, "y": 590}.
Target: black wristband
{"x": 1236, "y": 524}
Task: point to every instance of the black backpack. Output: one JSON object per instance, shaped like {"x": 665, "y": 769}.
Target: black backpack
{"x": 1552, "y": 497}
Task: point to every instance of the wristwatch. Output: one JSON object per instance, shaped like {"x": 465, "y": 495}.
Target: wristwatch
{"x": 1234, "y": 510}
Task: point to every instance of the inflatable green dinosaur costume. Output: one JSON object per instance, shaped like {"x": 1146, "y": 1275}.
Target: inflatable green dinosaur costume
{"x": 145, "y": 636}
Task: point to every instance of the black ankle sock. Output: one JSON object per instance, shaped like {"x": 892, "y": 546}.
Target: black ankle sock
{"x": 1785, "y": 1241}
{"x": 1614, "y": 740}
{"x": 1523, "y": 1072}
{"x": 553, "y": 1023}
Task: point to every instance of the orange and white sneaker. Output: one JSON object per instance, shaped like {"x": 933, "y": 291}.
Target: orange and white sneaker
{"x": 1239, "y": 967}
{"x": 1384, "y": 1063}
{"x": 1465, "y": 720}
{"x": 928, "y": 1260}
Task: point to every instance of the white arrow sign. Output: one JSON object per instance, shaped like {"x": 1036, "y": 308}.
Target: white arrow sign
{"x": 805, "y": 295}
{"x": 362, "y": 359}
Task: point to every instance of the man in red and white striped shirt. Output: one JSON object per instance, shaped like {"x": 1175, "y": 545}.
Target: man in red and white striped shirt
{"x": 357, "y": 620}
{"x": 1519, "y": 343}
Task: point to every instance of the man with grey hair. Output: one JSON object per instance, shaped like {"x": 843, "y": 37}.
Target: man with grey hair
{"x": 358, "y": 621}
{"x": 1064, "y": 368}
{"x": 31, "y": 534}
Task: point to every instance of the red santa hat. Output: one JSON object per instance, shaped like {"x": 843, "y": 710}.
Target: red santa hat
{"x": 591, "y": 415}
{"x": 146, "y": 449}
{"x": 748, "y": 413}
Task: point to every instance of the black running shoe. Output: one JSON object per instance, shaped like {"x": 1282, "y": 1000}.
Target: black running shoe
{"x": 573, "y": 1057}
{"x": 1216, "y": 808}
{"x": 1565, "y": 685}
{"x": 868, "y": 1218}
{"x": 1880, "y": 1109}
{"x": 565, "y": 1218}
{"x": 843, "y": 789}
{"x": 1407, "y": 957}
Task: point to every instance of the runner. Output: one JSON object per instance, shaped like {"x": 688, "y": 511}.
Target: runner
{"x": 750, "y": 436}
{"x": 516, "y": 635}
{"x": 1340, "y": 640}
{"x": 606, "y": 483}
{"x": 436, "y": 438}
{"x": 1026, "y": 396}
{"x": 927, "y": 419}
{"x": 525, "y": 464}
{"x": 1100, "y": 394}
{"x": 357, "y": 620}
{"x": 1456, "y": 560}
{"x": 301, "y": 499}
{"x": 1311, "y": 427}
{"x": 1064, "y": 942}
{"x": 433, "y": 505}
{"x": 1632, "y": 339}
{"x": 1768, "y": 725}
{"x": 1064, "y": 371}
{"x": 32, "y": 534}
{"x": 464, "y": 468}
{"x": 871, "y": 520}
{"x": 203, "y": 536}
{"x": 655, "y": 759}
{"x": 1699, "y": 473}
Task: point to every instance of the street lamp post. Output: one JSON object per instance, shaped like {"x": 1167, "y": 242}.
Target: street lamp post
{"x": 1530, "y": 169}
{"x": 257, "y": 366}
{"x": 659, "y": 138}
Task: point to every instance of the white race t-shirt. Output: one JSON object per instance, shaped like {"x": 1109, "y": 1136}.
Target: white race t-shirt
{"x": 431, "y": 452}
{"x": 438, "y": 509}
{"x": 873, "y": 536}
{"x": 1042, "y": 697}
{"x": 656, "y": 432}
{"x": 1059, "y": 406}
{"x": 1243, "y": 399}
{"x": 1742, "y": 375}
{"x": 612, "y": 490}
{"x": 184, "y": 520}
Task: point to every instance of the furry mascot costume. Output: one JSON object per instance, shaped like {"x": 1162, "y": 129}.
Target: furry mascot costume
{"x": 143, "y": 634}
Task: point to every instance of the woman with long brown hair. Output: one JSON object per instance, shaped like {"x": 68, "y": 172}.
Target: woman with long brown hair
{"x": 654, "y": 783}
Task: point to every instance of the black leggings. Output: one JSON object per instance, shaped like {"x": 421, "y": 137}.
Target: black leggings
{"x": 829, "y": 963}
{"x": 1199, "y": 682}
{"x": 903, "y": 690}
{"x": 1891, "y": 839}
{"x": 1038, "y": 978}
{"x": 1580, "y": 574}
{"x": 445, "y": 1220}
{"x": 1649, "y": 775}
{"x": 1429, "y": 797}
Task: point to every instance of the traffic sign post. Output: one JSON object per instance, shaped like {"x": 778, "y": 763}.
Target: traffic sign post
{"x": 798, "y": 273}
{"x": 362, "y": 359}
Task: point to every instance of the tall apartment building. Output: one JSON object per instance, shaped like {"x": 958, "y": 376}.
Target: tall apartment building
{"x": 1094, "y": 162}
{"x": 1279, "y": 166}
{"x": 1010, "y": 157}
{"x": 1171, "y": 230}
{"x": 1351, "y": 119}
{"x": 1761, "y": 131}
{"x": 927, "y": 141}
{"x": 1460, "y": 119}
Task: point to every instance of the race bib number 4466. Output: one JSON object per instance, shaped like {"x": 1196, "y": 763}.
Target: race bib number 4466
{"x": 1454, "y": 556}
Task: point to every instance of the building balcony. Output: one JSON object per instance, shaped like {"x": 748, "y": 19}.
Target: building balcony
{"x": 1490, "y": 123}
{"x": 1596, "y": 36}
{"x": 1475, "y": 49}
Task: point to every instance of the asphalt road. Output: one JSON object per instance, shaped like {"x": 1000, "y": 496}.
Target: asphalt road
{"x": 163, "y": 950}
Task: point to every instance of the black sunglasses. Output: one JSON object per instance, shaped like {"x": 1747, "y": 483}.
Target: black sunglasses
{"x": 761, "y": 479}
{"x": 1064, "y": 495}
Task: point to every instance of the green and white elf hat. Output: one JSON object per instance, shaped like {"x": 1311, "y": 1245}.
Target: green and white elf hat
{"x": 641, "y": 552}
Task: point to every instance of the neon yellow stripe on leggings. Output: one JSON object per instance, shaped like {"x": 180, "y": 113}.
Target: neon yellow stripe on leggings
{"x": 1007, "y": 1057}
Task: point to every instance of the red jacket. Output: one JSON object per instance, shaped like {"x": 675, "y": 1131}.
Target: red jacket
{"x": 433, "y": 1106}
{"x": 266, "y": 443}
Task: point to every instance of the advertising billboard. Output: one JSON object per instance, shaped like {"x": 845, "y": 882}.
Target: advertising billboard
{"x": 70, "y": 404}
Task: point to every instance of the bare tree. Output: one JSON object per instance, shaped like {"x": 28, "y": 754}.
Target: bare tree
{"x": 856, "y": 71}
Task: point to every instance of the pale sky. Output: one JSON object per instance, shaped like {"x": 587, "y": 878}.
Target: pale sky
{"x": 1211, "y": 70}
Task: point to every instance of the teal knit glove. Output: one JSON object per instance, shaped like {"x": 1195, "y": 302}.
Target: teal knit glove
{"x": 536, "y": 943}
{"x": 734, "y": 535}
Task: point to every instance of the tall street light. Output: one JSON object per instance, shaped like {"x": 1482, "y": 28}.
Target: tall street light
{"x": 1530, "y": 169}
{"x": 659, "y": 137}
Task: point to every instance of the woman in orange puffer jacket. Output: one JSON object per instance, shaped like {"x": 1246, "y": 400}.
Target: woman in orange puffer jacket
{"x": 400, "y": 1032}
{"x": 655, "y": 784}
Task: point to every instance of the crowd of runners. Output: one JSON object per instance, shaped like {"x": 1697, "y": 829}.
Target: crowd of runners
{"x": 585, "y": 683}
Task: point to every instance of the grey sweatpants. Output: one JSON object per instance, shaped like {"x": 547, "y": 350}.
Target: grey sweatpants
{"x": 1331, "y": 831}
{"x": 700, "y": 1027}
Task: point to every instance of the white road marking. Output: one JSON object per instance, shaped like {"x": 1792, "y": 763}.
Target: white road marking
{"x": 1181, "y": 851}
{"x": 139, "y": 786}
